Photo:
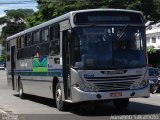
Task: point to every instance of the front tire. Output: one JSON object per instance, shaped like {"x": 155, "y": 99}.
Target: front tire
{"x": 121, "y": 104}
{"x": 61, "y": 105}
{"x": 155, "y": 88}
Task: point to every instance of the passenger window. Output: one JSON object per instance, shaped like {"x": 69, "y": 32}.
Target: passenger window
{"x": 8, "y": 46}
{"x": 55, "y": 40}
{"x": 28, "y": 40}
{"x": 8, "y": 57}
{"x": 36, "y": 37}
{"x": 22, "y": 41}
{"x": 18, "y": 42}
{"x": 54, "y": 32}
{"x": 20, "y": 54}
{"x": 45, "y": 35}
{"x": 28, "y": 52}
{"x": 54, "y": 47}
{"x": 44, "y": 48}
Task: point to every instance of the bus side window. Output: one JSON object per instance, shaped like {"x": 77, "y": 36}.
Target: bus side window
{"x": 54, "y": 47}
{"x": 36, "y": 37}
{"x": 22, "y": 41}
{"x": 54, "y": 40}
{"x": 45, "y": 35}
{"x": 8, "y": 46}
{"x": 44, "y": 48}
{"x": 20, "y": 47}
{"x": 27, "y": 39}
{"x": 8, "y": 49}
{"x": 18, "y": 42}
{"x": 8, "y": 57}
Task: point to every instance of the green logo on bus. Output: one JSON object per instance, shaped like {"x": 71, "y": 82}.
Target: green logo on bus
{"x": 39, "y": 62}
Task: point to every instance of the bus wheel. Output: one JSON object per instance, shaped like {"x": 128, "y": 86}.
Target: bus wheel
{"x": 61, "y": 105}
{"x": 21, "y": 94}
{"x": 121, "y": 104}
{"x": 154, "y": 88}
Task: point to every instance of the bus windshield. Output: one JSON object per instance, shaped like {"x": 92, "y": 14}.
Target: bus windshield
{"x": 115, "y": 47}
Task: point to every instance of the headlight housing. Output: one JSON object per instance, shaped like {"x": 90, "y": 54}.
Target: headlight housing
{"x": 139, "y": 85}
{"x": 86, "y": 87}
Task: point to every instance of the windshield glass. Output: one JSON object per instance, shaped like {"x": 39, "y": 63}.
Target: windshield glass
{"x": 108, "y": 47}
{"x": 128, "y": 47}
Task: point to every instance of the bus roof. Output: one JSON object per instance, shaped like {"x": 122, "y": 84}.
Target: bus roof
{"x": 107, "y": 9}
{"x": 64, "y": 17}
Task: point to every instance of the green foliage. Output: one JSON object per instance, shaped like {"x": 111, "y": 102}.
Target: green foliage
{"x": 3, "y": 55}
{"x": 18, "y": 14}
{"x": 3, "y": 52}
{"x": 50, "y": 9}
{"x": 151, "y": 50}
{"x": 14, "y": 22}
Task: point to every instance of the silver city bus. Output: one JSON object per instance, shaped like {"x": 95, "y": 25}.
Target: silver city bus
{"x": 84, "y": 55}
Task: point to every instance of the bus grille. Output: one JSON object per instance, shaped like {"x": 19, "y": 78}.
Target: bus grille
{"x": 113, "y": 83}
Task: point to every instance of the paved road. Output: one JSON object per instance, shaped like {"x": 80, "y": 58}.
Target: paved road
{"x": 37, "y": 108}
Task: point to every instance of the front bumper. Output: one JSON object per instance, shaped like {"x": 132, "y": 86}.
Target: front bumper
{"x": 80, "y": 96}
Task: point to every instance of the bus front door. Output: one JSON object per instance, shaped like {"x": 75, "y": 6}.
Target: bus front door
{"x": 66, "y": 65}
{"x": 13, "y": 66}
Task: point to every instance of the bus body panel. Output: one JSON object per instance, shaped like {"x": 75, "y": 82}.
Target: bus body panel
{"x": 111, "y": 81}
{"x": 80, "y": 96}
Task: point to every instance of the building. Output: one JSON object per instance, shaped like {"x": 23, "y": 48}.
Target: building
{"x": 153, "y": 37}
{"x": 153, "y": 41}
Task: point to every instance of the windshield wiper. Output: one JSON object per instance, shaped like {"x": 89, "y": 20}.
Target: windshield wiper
{"x": 122, "y": 32}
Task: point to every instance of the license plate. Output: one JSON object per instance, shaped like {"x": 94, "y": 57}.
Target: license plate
{"x": 115, "y": 94}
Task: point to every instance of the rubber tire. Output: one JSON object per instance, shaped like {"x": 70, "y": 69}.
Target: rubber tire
{"x": 121, "y": 104}
{"x": 20, "y": 90}
{"x": 155, "y": 88}
{"x": 61, "y": 105}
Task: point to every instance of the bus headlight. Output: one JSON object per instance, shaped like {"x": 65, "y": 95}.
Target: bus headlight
{"x": 86, "y": 87}
{"x": 138, "y": 85}
{"x": 144, "y": 83}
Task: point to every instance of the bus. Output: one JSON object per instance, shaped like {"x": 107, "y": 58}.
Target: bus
{"x": 82, "y": 56}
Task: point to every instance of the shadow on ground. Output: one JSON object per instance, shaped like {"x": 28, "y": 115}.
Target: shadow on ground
{"x": 99, "y": 108}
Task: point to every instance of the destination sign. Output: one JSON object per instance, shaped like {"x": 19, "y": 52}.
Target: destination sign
{"x": 108, "y": 17}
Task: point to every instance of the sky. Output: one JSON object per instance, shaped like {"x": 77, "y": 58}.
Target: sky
{"x": 17, "y": 4}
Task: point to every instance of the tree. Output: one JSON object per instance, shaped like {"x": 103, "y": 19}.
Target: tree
{"x": 3, "y": 52}
{"x": 14, "y": 22}
{"x": 51, "y": 9}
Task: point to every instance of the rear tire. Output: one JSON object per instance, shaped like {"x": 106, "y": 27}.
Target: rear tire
{"x": 61, "y": 105}
{"x": 121, "y": 104}
{"x": 20, "y": 90}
